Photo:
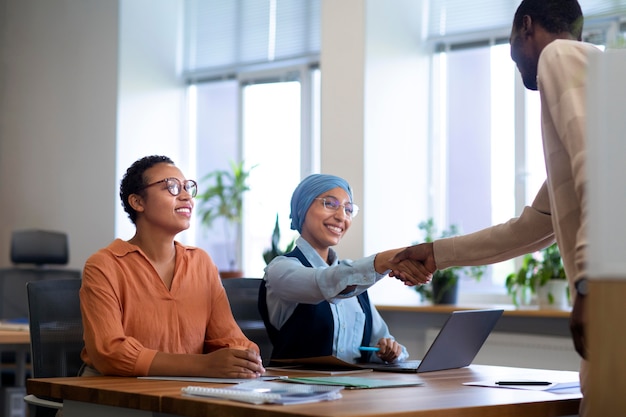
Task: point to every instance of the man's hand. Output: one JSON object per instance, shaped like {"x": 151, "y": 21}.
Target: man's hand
{"x": 410, "y": 271}
{"x": 577, "y": 325}
{"x": 423, "y": 258}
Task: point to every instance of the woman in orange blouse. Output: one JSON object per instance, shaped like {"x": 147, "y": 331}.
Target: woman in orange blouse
{"x": 152, "y": 306}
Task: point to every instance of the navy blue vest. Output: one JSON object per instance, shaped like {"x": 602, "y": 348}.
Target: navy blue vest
{"x": 309, "y": 331}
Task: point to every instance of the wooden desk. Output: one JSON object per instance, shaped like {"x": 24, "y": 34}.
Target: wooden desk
{"x": 17, "y": 341}
{"x": 509, "y": 309}
{"x": 442, "y": 395}
{"x": 14, "y": 337}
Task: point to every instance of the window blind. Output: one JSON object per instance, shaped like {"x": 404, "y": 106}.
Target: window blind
{"x": 449, "y": 19}
{"x": 222, "y": 36}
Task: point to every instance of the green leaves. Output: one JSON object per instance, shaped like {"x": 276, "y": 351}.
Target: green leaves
{"x": 449, "y": 277}
{"x": 536, "y": 270}
{"x": 275, "y": 251}
{"x": 224, "y": 196}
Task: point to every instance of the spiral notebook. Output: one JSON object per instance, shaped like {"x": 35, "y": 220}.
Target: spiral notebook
{"x": 267, "y": 392}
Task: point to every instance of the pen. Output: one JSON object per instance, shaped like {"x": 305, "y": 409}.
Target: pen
{"x": 523, "y": 383}
{"x": 369, "y": 348}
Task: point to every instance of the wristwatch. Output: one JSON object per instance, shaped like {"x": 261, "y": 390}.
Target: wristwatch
{"x": 581, "y": 287}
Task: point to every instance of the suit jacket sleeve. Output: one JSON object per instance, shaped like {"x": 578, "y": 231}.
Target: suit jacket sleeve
{"x": 529, "y": 232}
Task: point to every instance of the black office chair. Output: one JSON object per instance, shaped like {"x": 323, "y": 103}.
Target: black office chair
{"x": 36, "y": 255}
{"x": 243, "y": 297}
{"x": 33, "y": 252}
{"x": 56, "y": 335}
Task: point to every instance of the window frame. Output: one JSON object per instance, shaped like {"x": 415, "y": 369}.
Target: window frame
{"x": 596, "y": 30}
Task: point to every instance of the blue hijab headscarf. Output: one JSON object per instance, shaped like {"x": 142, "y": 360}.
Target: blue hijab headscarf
{"x": 308, "y": 190}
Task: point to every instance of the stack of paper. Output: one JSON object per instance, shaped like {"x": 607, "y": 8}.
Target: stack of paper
{"x": 260, "y": 392}
{"x": 328, "y": 365}
{"x": 351, "y": 382}
{"x": 14, "y": 324}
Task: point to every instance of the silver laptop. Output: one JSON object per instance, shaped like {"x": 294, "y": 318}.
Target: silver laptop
{"x": 456, "y": 345}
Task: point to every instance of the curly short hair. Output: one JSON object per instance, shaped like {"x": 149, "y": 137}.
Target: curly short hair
{"x": 133, "y": 181}
{"x": 555, "y": 16}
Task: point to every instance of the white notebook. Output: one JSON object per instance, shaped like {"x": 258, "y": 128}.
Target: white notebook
{"x": 260, "y": 392}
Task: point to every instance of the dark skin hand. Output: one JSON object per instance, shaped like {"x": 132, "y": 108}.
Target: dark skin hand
{"x": 410, "y": 269}
{"x": 422, "y": 253}
{"x": 413, "y": 271}
{"x": 222, "y": 363}
{"x": 577, "y": 325}
{"x": 234, "y": 363}
{"x": 389, "y": 351}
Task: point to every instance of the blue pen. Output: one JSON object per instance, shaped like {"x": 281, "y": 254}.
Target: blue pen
{"x": 369, "y": 348}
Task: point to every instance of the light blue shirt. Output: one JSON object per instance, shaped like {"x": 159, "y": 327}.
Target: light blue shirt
{"x": 289, "y": 283}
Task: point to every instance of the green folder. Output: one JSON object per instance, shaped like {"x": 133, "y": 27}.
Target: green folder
{"x": 352, "y": 382}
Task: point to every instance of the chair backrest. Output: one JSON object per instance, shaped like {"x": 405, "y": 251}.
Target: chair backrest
{"x": 243, "y": 297}
{"x": 56, "y": 328}
{"x": 39, "y": 247}
{"x": 31, "y": 253}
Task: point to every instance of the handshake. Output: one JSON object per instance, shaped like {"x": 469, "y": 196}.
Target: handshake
{"x": 413, "y": 265}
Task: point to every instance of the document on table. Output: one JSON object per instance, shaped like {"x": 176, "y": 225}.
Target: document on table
{"x": 559, "y": 387}
{"x": 328, "y": 365}
{"x": 261, "y": 392}
{"x": 14, "y": 324}
{"x": 353, "y": 382}
{"x": 210, "y": 380}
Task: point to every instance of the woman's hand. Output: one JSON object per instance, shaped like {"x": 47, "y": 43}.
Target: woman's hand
{"x": 423, "y": 258}
{"x": 404, "y": 267}
{"x": 389, "y": 351}
{"x": 233, "y": 363}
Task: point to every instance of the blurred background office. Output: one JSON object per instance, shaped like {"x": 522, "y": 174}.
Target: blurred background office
{"x": 419, "y": 106}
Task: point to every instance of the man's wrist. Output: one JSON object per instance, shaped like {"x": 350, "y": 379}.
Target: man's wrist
{"x": 582, "y": 287}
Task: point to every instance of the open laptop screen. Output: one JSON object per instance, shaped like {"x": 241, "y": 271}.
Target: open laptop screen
{"x": 456, "y": 345}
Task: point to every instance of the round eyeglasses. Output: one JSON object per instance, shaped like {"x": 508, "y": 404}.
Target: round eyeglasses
{"x": 174, "y": 186}
{"x": 332, "y": 204}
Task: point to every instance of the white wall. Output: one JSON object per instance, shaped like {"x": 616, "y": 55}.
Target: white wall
{"x": 151, "y": 96}
{"x": 396, "y": 112}
{"x": 88, "y": 86}
{"x": 342, "y": 63}
{"x": 58, "y": 83}
{"x": 606, "y": 125}
{"x": 375, "y": 95}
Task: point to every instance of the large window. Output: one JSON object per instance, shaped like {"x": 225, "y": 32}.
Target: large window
{"x": 478, "y": 169}
{"x": 271, "y": 144}
{"x": 252, "y": 66}
{"x": 261, "y": 123}
{"x": 254, "y": 87}
{"x": 487, "y": 144}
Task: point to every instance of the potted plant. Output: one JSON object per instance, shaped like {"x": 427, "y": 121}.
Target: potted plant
{"x": 541, "y": 273}
{"x": 443, "y": 288}
{"x": 274, "y": 250}
{"x": 223, "y": 199}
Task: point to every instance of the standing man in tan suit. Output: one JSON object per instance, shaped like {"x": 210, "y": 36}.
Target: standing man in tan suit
{"x": 546, "y": 46}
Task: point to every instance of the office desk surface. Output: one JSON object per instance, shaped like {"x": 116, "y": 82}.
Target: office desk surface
{"x": 442, "y": 395}
{"x": 17, "y": 341}
{"x": 14, "y": 337}
{"x": 509, "y": 309}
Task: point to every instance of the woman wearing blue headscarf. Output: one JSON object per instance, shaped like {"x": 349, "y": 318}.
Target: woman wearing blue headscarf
{"x": 314, "y": 304}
